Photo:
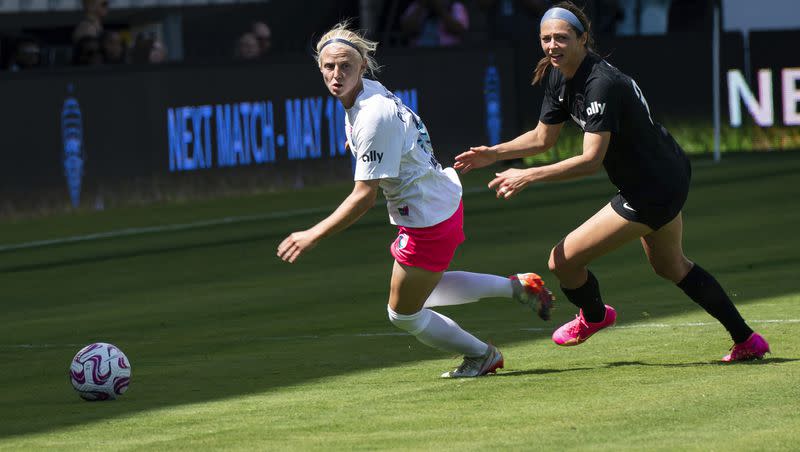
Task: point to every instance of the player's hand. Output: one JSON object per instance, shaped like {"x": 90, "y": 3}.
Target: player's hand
{"x": 296, "y": 244}
{"x": 476, "y": 157}
{"x": 509, "y": 182}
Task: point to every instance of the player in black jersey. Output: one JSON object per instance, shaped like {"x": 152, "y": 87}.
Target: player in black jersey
{"x": 642, "y": 160}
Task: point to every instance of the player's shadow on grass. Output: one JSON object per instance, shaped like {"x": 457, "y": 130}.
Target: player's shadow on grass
{"x": 765, "y": 361}
{"x": 704, "y": 363}
{"x": 516, "y": 373}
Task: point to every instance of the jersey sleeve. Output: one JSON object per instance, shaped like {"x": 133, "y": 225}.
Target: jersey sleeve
{"x": 378, "y": 145}
{"x": 602, "y": 104}
{"x": 553, "y": 110}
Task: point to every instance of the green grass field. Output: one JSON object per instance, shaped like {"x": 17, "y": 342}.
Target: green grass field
{"x": 233, "y": 349}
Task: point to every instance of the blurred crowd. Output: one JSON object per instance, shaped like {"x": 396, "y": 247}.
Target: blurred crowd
{"x": 418, "y": 23}
{"x": 90, "y": 44}
{"x": 452, "y": 22}
{"x": 254, "y": 44}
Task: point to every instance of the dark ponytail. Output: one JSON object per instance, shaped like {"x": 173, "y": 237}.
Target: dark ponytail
{"x": 544, "y": 64}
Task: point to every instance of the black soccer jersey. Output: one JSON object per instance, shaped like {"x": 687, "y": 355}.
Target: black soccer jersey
{"x": 643, "y": 160}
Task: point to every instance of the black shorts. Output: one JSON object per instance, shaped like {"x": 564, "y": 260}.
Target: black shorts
{"x": 653, "y": 215}
{"x": 657, "y": 208}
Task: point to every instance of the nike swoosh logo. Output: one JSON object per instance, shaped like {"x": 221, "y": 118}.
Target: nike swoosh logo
{"x": 628, "y": 206}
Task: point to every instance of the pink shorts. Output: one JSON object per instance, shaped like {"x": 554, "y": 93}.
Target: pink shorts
{"x": 430, "y": 248}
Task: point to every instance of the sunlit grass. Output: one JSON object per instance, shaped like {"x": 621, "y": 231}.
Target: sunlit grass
{"x": 232, "y": 349}
{"x": 695, "y": 136}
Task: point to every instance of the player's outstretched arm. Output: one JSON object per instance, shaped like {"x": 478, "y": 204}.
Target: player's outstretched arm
{"x": 475, "y": 157}
{"x": 533, "y": 142}
{"x": 512, "y": 181}
{"x": 351, "y": 209}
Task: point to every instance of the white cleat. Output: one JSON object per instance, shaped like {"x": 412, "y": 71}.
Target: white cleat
{"x": 478, "y": 366}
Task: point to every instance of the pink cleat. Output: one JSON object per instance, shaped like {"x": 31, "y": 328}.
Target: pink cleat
{"x": 578, "y": 330}
{"x": 529, "y": 289}
{"x": 755, "y": 347}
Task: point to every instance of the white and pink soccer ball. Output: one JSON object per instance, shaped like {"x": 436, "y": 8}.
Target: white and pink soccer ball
{"x": 100, "y": 371}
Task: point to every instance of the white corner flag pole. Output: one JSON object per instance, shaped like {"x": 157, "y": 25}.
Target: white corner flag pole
{"x": 716, "y": 74}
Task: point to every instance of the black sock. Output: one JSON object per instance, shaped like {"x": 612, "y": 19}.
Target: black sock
{"x": 704, "y": 290}
{"x": 587, "y": 297}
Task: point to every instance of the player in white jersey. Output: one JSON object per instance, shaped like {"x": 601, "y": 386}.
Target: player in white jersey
{"x": 393, "y": 153}
{"x": 418, "y": 192}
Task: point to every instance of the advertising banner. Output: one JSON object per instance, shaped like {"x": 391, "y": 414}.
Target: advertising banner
{"x": 88, "y": 138}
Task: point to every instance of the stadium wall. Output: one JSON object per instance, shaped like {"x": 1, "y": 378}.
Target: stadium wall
{"x": 108, "y": 136}
{"x": 100, "y": 137}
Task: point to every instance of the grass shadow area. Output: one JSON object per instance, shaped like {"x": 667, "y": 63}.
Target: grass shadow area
{"x": 210, "y": 313}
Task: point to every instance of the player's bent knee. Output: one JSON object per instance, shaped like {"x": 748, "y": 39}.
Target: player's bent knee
{"x": 561, "y": 267}
{"x": 671, "y": 272}
{"x": 553, "y": 263}
{"x": 413, "y": 323}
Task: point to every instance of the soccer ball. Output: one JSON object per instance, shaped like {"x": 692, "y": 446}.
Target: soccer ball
{"x": 100, "y": 371}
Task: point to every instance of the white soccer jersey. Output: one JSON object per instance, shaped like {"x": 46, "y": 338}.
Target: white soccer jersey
{"x": 390, "y": 143}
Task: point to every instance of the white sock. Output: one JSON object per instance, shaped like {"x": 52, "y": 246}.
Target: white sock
{"x": 438, "y": 331}
{"x": 465, "y": 287}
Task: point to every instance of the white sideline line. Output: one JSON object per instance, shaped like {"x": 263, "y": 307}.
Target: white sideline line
{"x": 388, "y": 334}
{"x": 128, "y": 232}
{"x": 168, "y": 227}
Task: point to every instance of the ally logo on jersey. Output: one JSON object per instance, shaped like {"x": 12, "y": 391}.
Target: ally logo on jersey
{"x": 371, "y": 156}
{"x": 595, "y": 108}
